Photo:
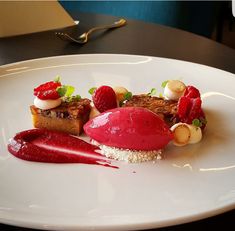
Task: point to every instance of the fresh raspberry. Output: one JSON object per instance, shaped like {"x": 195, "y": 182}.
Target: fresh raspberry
{"x": 191, "y": 92}
{"x": 184, "y": 105}
{"x": 104, "y": 98}
{"x": 47, "y": 90}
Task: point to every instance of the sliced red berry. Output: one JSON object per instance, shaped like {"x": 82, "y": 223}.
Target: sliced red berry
{"x": 191, "y": 92}
{"x": 195, "y": 110}
{"x": 189, "y": 105}
{"x": 47, "y": 90}
{"x": 104, "y": 98}
{"x": 184, "y": 105}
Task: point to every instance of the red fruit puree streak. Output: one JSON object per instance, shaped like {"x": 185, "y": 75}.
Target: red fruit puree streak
{"x": 41, "y": 145}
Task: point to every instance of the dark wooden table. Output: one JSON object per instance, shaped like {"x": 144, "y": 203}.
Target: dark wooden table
{"x": 136, "y": 38}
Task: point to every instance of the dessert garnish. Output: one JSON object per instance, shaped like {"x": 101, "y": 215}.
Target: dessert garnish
{"x": 47, "y": 96}
{"x": 104, "y": 98}
{"x": 190, "y": 117}
{"x": 107, "y": 97}
{"x": 152, "y": 92}
{"x": 122, "y": 94}
{"x": 56, "y": 108}
{"x": 173, "y": 89}
{"x": 48, "y": 90}
{"x": 186, "y": 134}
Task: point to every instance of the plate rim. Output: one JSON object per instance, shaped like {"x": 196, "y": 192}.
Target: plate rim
{"x": 181, "y": 220}
{"x": 109, "y": 54}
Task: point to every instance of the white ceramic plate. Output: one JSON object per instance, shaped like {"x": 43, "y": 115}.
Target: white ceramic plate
{"x": 191, "y": 183}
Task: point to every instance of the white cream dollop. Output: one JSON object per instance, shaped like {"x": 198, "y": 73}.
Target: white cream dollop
{"x": 195, "y": 134}
{"x": 47, "y": 104}
{"x": 174, "y": 89}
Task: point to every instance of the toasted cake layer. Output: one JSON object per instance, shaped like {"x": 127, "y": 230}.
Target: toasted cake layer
{"x": 166, "y": 109}
{"x": 68, "y": 117}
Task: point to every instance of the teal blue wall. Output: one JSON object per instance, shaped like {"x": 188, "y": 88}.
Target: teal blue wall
{"x": 195, "y": 16}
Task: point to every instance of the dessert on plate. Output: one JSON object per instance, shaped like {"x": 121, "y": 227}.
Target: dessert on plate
{"x": 180, "y": 107}
{"x": 133, "y": 128}
{"x": 133, "y": 134}
{"x": 55, "y": 108}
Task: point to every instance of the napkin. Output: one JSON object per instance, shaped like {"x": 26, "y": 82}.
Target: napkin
{"x": 23, "y": 17}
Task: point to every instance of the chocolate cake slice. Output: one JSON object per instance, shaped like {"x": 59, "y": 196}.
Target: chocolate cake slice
{"x": 166, "y": 109}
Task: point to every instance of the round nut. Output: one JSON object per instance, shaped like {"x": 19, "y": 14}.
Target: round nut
{"x": 176, "y": 86}
{"x": 181, "y": 134}
{"x": 120, "y": 93}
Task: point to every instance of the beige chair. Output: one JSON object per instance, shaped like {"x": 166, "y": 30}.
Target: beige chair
{"x": 24, "y": 17}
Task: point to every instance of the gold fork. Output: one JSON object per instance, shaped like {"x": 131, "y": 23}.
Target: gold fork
{"x": 83, "y": 38}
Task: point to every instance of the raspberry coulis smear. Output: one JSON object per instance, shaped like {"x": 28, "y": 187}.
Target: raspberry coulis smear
{"x": 41, "y": 145}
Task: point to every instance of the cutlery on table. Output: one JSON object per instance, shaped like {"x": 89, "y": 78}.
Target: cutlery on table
{"x": 83, "y": 38}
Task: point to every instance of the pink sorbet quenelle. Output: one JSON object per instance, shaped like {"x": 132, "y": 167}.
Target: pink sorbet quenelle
{"x": 130, "y": 128}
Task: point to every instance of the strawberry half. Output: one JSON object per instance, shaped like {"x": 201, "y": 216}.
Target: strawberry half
{"x": 191, "y": 92}
{"x": 184, "y": 105}
{"x": 195, "y": 110}
{"x": 190, "y": 107}
{"x": 47, "y": 90}
{"x": 104, "y": 98}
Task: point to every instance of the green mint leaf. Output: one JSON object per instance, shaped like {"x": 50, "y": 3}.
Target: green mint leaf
{"x": 152, "y": 92}
{"x": 61, "y": 91}
{"x": 161, "y": 95}
{"x": 197, "y": 123}
{"x": 127, "y": 96}
{"x": 72, "y": 98}
{"x": 65, "y": 90}
{"x": 92, "y": 90}
{"x": 164, "y": 83}
{"x": 77, "y": 97}
{"x": 57, "y": 79}
{"x": 69, "y": 90}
